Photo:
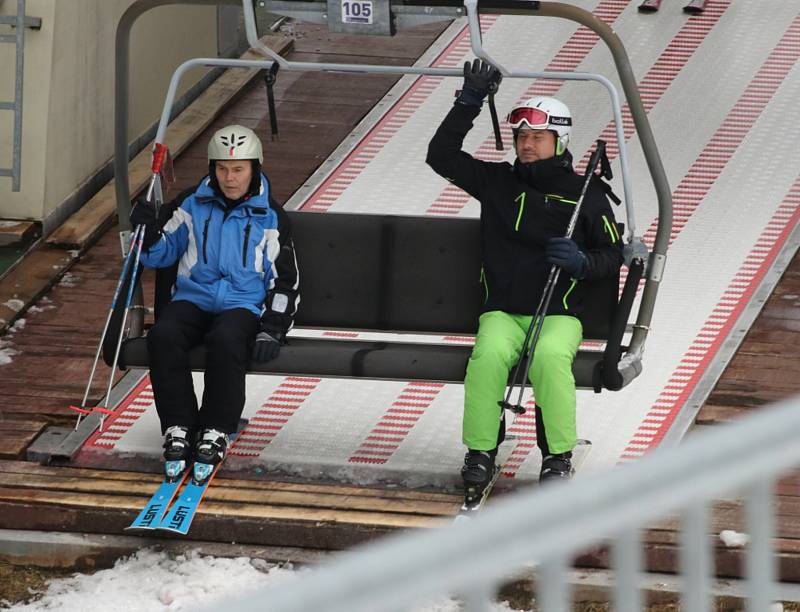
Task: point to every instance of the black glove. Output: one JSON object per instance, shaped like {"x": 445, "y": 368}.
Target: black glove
{"x": 480, "y": 79}
{"x": 266, "y": 347}
{"x": 144, "y": 213}
{"x": 564, "y": 253}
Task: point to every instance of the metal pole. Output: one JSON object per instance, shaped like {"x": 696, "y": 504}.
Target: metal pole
{"x": 16, "y": 169}
{"x": 761, "y": 565}
{"x": 695, "y": 556}
{"x": 657, "y": 260}
{"x": 627, "y": 559}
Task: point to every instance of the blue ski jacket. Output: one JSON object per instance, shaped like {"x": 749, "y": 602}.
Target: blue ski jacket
{"x": 226, "y": 257}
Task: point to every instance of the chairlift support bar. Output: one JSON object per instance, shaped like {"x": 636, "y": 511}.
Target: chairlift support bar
{"x": 477, "y": 48}
{"x": 630, "y": 365}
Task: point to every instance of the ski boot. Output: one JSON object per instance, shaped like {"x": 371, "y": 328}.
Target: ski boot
{"x": 177, "y": 451}
{"x": 478, "y": 473}
{"x": 212, "y": 446}
{"x": 557, "y": 466}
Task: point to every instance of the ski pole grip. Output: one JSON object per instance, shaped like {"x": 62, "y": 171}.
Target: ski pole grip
{"x": 598, "y": 154}
{"x": 159, "y": 153}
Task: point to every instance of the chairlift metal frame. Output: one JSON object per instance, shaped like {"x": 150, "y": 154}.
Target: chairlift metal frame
{"x": 630, "y": 364}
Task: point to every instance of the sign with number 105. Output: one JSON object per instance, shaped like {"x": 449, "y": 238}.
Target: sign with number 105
{"x": 357, "y": 11}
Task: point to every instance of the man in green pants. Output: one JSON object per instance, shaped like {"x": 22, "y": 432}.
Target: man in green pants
{"x": 525, "y": 211}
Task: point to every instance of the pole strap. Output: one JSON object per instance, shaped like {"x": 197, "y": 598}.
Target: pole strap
{"x": 270, "y": 76}
{"x": 498, "y": 139}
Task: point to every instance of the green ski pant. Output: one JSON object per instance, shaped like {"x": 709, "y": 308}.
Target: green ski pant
{"x": 497, "y": 349}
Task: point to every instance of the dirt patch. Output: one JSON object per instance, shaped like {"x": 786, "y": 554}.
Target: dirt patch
{"x": 20, "y": 583}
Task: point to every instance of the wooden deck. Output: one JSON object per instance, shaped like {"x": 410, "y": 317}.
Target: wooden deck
{"x": 57, "y": 343}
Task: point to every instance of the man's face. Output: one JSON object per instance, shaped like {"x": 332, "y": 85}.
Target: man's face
{"x": 533, "y": 145}
{"x": 234, "y": 177}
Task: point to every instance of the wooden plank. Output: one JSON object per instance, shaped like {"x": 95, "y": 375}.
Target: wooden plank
{"x": 15, "y": 231}
{"x": 17, "y": 434}
{"x": 321, "y": 535}
{"x": 91, "y": 219}
{"x": 22, "y": 425}
{"x": 54, "y": 500}
{"x": 311, "y": 488}
{"x": 233, "y": 495}
{"x": 28, "y": 281}
{"x": 406, "y": 45}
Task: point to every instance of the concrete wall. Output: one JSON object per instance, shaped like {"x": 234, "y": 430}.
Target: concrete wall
{"x": 69, "y": 90}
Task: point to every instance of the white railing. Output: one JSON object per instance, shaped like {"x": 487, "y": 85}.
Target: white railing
{"x": 549, "y": 526}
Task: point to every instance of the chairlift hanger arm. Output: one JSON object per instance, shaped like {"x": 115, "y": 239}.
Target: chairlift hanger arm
{"x": 525, "y": 7}
{"x": 473, "y": 8}
{"x": 121, "y": 93}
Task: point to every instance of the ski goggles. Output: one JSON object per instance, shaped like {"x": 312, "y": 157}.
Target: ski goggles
{"x": 535, "y": 118}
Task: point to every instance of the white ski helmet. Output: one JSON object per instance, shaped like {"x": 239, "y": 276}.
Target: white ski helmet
{"x": 543, "y": 113}
{"x": 235, "y": 142}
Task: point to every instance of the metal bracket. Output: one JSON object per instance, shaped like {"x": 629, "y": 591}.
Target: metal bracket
{"x": 657, "y": 263}
{"x": 636, "y": 249}
{"x": 125, "y": 241}
{"x": 385, "y": 17}
{"x": 34, "y": 23}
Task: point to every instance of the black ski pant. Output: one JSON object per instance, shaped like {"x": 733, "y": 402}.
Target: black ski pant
{"x": 228, "y": 338}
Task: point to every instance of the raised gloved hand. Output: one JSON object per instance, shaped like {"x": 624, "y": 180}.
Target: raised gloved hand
{"x": 144, "y": 213}
{"x": 266, "y": 347}
{"x": 564, "y": 253}
{"x": 480, "y": 79}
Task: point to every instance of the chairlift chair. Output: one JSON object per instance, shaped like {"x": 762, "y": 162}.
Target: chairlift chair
{"x": 613, "y": 367}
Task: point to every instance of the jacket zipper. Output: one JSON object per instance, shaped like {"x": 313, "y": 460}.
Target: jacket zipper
{"x": 564, "y": 299}
{"x": 244, "y": 247}
{"x": 521, "y": 199}
{"x": 485, "y": 285}
{"x": 205, "y": 239}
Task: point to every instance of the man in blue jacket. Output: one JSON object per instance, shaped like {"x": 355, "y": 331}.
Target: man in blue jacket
{"x": 236, "y": 292}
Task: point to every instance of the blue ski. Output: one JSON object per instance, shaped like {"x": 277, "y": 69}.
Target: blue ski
{"x": 181, "y": 513}
{"x": 154, "y": 510}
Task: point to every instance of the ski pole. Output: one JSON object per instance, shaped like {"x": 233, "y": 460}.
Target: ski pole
{"x": 537, "y": 322}
{"x": 82, "y": 410}
{"x": 104, "y": 410}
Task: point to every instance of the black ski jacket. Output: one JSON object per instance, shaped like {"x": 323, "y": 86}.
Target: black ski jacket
{"x": 522, "y": 206}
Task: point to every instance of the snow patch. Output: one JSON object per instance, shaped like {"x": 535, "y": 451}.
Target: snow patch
{"x": 733, "y": 539}
{"x": 14, "y": 304}
{"x": 5, "y": 355}
{"x": 151, "y": 581}
{"x": 19, "y": 324}
{"x": 35, "y": 309}
{"x": 7, "y": 350}
{"x": 68, "y": 280}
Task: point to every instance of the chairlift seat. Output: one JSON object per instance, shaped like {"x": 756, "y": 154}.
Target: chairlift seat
{"x": 395, "y": 274}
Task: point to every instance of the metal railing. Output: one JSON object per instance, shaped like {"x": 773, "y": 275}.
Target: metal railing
{"x": 551, "y": 525}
